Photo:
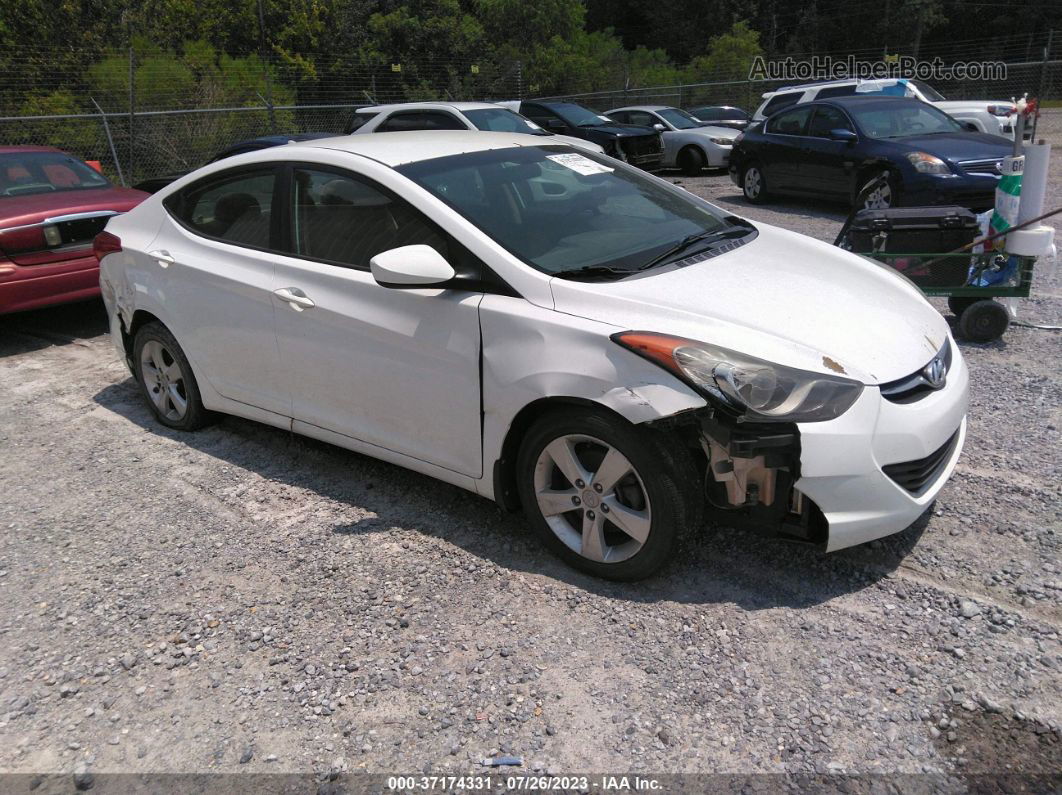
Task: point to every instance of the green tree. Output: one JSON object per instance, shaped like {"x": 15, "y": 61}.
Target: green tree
{"x": 729, "y": 56}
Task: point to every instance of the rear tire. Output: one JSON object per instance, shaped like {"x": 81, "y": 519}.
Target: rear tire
{"x": 166, "y": 379}
{"x": 607, "y": 497}
{"x": 754, "y": 183}
{"x": 984, "y": 321}
{"x": 691, "y": 161}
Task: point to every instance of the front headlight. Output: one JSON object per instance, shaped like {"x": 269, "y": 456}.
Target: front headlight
{"x": 754, "y": 388}
{"x": 926, "y": 163}
{"x": 722, "y": 141}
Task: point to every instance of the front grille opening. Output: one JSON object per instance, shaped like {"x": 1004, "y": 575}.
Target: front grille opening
{"x": 916, "y": 476}
{"x": 914, "y": 387}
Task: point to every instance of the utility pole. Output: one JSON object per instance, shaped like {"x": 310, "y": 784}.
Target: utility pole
{"x": 265, "y": 69}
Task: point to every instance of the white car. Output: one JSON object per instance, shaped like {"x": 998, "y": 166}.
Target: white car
{"x": 689, "y": 143}
{"x": 993, "y": 117}
{"x": 485, "y": 116}
{"x": 546, "y": 327}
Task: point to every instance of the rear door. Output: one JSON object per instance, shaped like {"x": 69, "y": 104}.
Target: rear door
{"x": 784, "y": 140}
{"x": 398, "y": 369}
{"x": 214, "y": 262}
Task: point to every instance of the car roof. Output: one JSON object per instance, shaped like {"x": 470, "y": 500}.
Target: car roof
{"x": 14, "y": 150}
{"x": 864, "y": 100}
{"x": 428, "y": 105}
{"x": 400, "y": 148}
{"x": 643, "y": 107}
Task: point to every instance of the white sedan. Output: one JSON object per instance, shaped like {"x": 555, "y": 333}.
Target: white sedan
{"x": 546, "y": 327}
{"x": 689, "y": 143}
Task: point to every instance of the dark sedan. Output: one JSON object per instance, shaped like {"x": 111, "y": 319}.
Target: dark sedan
{"x": 910, "y": 152}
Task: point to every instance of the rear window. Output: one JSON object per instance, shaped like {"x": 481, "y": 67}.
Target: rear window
{"x": 24, "y": 173}
{"x": 836, "y": 91}
{"x": 780, "y": 101}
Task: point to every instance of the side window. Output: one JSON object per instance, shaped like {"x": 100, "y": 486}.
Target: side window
{"x": 339, "y": 219}
{"x": 420, "y": 120}
{"x": 836, "y": 91}
{"x": 623, "y": 117}
{"x": 790, "y": 122}
{"x": 780, "y": 101}
{"x": 360, "y": 120}
{"x": 540, "y": 115}
{"x": 826, "y": 119}
{"x": 640, "y": 118}
{"x": 715, "y": 114}
{"x": 233, "y": 207}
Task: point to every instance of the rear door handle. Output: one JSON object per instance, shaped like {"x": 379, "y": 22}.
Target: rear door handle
{"x": 162, "y": 257}
{"x": 295, "y": 297}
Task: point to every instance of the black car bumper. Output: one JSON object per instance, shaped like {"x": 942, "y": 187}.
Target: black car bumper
{"x": 976, "y": 191}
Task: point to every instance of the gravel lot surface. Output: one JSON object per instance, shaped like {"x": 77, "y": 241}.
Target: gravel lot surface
{"x": 242, "y": 600}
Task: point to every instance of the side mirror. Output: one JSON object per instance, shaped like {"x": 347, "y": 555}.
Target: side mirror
{"x": 556, "y": 125}
{"x": 411, "y": 267}
{"x": 847, "y": 136}
{"x": 659, "y": 127}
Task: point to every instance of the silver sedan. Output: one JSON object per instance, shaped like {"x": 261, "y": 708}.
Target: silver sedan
{"x": 689, "y": 144}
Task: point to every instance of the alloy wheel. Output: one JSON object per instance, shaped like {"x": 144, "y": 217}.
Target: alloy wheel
{"x": 753, "y": 182}
{"x": 163, "y": 380}
{"x": 592, "y": 498}
{"x": 881, "y": 197}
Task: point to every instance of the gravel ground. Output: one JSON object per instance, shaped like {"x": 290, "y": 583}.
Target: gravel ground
{"x": 242, "y": 600}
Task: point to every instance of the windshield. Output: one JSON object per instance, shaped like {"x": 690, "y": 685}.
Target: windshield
{"x": 903, "y": 119}
{"x": 502, "y": 120}
{"x": 577, "y": 115}
{"x": 928, "y": 92}
{"x": 23, "y": 173}
{"x": 560, "y": 210}
{"x": 679, "y": 119}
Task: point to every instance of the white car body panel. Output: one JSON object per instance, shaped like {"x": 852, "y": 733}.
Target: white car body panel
{"x": 433, "y": 379}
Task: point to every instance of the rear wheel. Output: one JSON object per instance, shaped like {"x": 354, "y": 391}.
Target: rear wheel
{"x": 984, "y": 321}
{"x": 691, "y": 161}
{"x": 754, "y": 184}
{"x": 607, "y": 497}
{"x": 166, "y": 379}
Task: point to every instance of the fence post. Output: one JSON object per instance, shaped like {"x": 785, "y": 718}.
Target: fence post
{"x": 1044, "y": 67}
{"x": 132, "y": 110}
{"x": 110, "y": 142}
{"x": 265, "y": 69}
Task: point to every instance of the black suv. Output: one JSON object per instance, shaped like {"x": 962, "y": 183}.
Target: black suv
{"x": 639, "y": 146}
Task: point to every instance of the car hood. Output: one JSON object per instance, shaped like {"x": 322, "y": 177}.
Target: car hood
{"x": 34, "y": 208}
{"x": 957, "y": 146}
{"x": 783, "y": 297}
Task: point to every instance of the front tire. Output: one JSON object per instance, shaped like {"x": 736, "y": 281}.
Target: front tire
{"x": 754, "y": 184}
{"x": 882, "y": 195}
{"x": 691, "y": 161}
{"x": 607, "y": 497}
{"x": 166, "y": 379}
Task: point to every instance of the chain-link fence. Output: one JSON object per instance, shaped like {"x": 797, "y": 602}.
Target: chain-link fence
{"x": 132, "y": 147}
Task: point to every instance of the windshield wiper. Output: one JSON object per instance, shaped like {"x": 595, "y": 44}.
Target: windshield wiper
{"x": 594, "y": 270}
{"x": 719, "y": 234}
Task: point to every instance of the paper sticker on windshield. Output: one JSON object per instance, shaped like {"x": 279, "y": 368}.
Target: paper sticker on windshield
{"x": 579, "y": 164}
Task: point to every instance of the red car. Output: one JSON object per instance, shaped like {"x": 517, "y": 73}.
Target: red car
{"x": 51, "y": 207}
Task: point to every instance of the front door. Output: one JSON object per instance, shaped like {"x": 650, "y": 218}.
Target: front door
{"x": 398, "y": 369}
{"x": 828, "y": 163}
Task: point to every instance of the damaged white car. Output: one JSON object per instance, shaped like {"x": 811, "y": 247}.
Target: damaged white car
{"x": 549, "y": 328}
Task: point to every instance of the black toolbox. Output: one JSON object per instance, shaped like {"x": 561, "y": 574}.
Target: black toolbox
{"x": 917, "y": 230}
{"x": 910, "y": 230}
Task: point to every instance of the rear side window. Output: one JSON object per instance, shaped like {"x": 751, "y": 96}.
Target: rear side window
{"x": 836, "y": 91}
{"x": 713, "y": 114}
{"x": 360, "y": 120}
{"x": 791, "y": 122}
{"x": 346, "y": 221}
{"x": 233, "y": 207}
{"x": 780, "y": 101}
{"x": 420, "y": 120}
{"x": 827, "y": 119}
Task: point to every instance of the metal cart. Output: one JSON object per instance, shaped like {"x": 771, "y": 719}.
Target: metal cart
{"x": 963, "y": 280}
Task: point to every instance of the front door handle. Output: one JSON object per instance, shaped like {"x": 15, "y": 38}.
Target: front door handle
{"x": 295, "y": 297}
{"x": 162, "y": 257}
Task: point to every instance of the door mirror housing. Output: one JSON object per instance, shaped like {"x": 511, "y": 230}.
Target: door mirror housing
{"x": 411, "y": 267}
{"x": 659, "y": 127}
{"x": 847, "y": 136}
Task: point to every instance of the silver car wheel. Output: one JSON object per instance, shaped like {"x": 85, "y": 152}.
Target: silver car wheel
{"x": 753, "y": 182}
{"x": 881, "y": 197}
{"x": 592, "y": 498}
{"x": 163, "y": 380}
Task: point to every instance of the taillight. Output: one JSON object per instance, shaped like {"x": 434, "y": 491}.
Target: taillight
{"x": 1001, "y": 110}
{"x": 105, "y": 243}
{"x": 28, "y": 238}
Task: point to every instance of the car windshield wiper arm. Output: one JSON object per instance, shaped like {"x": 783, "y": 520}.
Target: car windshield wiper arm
{"x": 718, "y": 234}
{"x": 593, "y": 270}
